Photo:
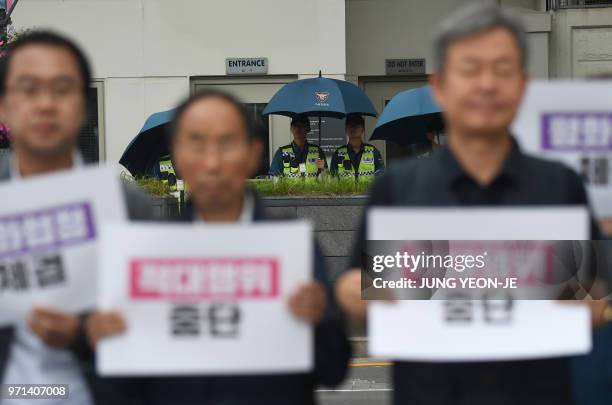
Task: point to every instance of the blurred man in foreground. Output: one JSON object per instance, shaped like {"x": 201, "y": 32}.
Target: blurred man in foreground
{"x": 479, "y": 82}
{"x": 44, "y": 86}
{"x": 215, "y": 150}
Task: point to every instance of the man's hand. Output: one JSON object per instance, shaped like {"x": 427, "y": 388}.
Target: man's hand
{"x": 606, "y": 225}
{"x": 348, "y": 294}
{"x": 320, "y": 164}
{"x": 308, "y": 302}
{"x": 598, "y": 310}
{"x": 57, "y": 329}
{"x": 597, "y": 307}
{"x": 100, "y": 325}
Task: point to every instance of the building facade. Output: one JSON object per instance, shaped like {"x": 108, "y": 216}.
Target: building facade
{"x": 149, "y": 54}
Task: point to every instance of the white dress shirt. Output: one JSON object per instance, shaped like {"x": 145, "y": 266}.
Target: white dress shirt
{"x": 31, "y": 361}
{"x": 246, "y": 215}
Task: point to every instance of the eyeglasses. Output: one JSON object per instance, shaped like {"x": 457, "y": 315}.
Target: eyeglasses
{"x": 225, "y": 149}
{"x": 31, "y": 91}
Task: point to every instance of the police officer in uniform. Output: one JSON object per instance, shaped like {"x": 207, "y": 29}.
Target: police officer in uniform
{"x": 167, "y": 173}
{"x": 356, "y": 161}
{"x": 299, "y": 159}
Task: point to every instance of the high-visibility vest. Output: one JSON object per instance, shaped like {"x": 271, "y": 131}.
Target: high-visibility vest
{"x": 312, "y": 171}
{"x": 366, "y": 169}
{"x": 168, "y": 175}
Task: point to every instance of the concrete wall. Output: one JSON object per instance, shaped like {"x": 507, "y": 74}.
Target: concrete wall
{"x": 160, "y": 38}
{"x": 529, "y": 4}
{"x": 335, "y": 221}
{"x": 146, "y": 50}
{"x": 128, "y": 101}
{"x": 581, "y": 44}
{"x": 385, "y": 29}
{"x": 538, "y": 25}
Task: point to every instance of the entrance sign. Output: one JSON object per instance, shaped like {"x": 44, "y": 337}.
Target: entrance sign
{"x": 246, "y": 66}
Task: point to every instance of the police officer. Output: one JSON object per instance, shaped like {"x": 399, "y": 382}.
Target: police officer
{"x": 356, "y": 161}
{"x": 167, "y": 173}
{"x": 299, "y": 159}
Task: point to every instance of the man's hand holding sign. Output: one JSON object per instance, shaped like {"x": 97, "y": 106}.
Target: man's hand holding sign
{"x": 55, "y": 328}
{"x": 308, "y": 302}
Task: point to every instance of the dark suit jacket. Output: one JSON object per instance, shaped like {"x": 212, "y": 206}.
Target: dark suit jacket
{"x": 332, "y": 353}
{"x": 440, "y": 182}
{"x": 139, "y": 208}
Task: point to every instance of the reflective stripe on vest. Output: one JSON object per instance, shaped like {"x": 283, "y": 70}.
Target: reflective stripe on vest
{"x": 366, "y": 168}
{"x": 312, "y": 171}
{"x": 166, "y": 168}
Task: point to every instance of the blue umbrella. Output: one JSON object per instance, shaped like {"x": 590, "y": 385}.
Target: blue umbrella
{"x": 408, "y": 117}
{"x": 320, "y": 97}
{"x": 149, "y": 145}
{"x": 157, "y": 119}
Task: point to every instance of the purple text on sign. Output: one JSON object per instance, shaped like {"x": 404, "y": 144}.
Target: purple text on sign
{"x": 577, "y": 131}
{"x": 48, "y": 228}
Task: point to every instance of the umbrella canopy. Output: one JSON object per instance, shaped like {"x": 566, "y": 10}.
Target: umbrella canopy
{"x": 143, "y": 153}
{"x": 408, "y": 117}
{"x": 321, "y": 97}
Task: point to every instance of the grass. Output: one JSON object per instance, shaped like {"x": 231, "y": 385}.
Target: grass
{"x": 153, "y": 186}
{"x": 326, "y": 186}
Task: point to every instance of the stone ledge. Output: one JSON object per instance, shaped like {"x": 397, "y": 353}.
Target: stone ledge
{"x": 336, "y": 243}
{"x": 332, "y": 218}
{"x": 300, "y": 201}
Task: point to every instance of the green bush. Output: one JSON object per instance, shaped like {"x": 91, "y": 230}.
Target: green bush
{"x": 326, "y": 186}
{"x": 153, "y": 186}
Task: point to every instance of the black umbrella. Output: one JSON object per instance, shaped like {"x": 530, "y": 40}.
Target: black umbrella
{"x": 142, "y": 154}
{"x": 408, "y": 118}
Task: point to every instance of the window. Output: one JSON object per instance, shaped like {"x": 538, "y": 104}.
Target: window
{"x": 560, "y": 4}
{"x": 255, "y": 111}
{"x": 91, "y": 141}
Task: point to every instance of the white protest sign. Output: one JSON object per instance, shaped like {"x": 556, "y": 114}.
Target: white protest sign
{"x": 49, "y": 228}
{"x": 571, "y": 122}
{"x": 423, "y": 331}
{"x": 205, "y": 299}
